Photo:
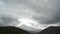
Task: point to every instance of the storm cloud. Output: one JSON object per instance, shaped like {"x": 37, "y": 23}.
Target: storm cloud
{"x": 8, "y": 20}
{"x": 49, "y": 13}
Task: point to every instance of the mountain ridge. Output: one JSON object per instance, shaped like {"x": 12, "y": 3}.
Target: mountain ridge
{"x": 12, "y": 30}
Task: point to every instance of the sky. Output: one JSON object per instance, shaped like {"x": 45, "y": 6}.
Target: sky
{"x": 31, "y": 15}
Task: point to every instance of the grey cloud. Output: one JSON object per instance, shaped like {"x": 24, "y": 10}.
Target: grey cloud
{"x": 43, "y": 11}
{"x": 49, "y": 13}
{"x": 48, "y": 9}
{"x": 8, "y": 20}
{"x": 10, "y": 10}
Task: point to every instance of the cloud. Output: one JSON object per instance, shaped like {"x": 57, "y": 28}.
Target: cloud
{"x": 49, "y": 13}
{"x": 10, "y": 9}
{"x": 46, "y": 12}
{"x": 8, "y": 20}
{"x": 30, "y": 29}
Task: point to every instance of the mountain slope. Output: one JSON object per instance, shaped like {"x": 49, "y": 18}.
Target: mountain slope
{"x": 51, "y": 30}
{"x": 12, "y": 30}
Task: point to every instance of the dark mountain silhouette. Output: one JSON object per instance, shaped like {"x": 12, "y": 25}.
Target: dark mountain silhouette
{"x": 15, "y": 30}
{"x": 12, "y": 30}
{"x": 51, "y": 30}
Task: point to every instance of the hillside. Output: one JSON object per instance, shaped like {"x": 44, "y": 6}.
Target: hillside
{"x": 12, "y": 30}
{"x": 51, "y": 30}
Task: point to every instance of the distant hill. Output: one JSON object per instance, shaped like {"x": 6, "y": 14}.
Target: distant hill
{"x": 51, "y": 30}
{"x": 12, "y": 30}
{"x": 15, "y": 30}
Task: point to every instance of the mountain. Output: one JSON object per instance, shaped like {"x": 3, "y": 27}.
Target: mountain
{"x": 12, "y": 30}
{"x": 15, "y": 30}
{"x": 51, "y": 30}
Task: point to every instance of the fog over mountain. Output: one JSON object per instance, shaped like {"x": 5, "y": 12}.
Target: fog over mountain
{"x": 37, "y": 14}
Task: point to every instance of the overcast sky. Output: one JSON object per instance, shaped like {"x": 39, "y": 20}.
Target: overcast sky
{"x": 45, "y": 12}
